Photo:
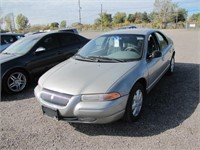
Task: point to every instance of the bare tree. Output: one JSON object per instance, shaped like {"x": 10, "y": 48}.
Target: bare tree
{"x": 164, "y": 10}
{"x": 9, "y": 20}
{"x": 1, "y": 18}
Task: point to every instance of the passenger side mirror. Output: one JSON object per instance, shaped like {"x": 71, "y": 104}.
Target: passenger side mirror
{"x": 156, "y": 54}
{"x": 40, "y": 49}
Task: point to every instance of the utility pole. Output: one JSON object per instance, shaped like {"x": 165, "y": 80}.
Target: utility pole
{"x": 79, "y": 8}
{"x": 101, "y": 17}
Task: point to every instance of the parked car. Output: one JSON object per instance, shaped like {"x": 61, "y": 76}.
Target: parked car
{"x": 108, "y": 78}
{"x": 8, "y": 38}
{"x": 31, "y": 56}
{"x": 72, "y": 30}
{"x": 127, "y": 27}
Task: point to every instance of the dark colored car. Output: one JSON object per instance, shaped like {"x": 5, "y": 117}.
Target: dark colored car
{"x": 8, "y": 38}
{"x": 127, "y": 27}
{"x": 72, "y": 30}
{"x": 30, "y": 57}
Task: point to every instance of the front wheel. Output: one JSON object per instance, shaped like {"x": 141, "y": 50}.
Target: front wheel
{"x": 135, "y": 103}
{"x": 172, "y": 66}
{"x": 15, "y": 81}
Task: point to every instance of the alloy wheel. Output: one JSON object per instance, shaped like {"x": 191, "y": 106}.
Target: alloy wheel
{"x": 17, "y": 82}
{"x": 137, "y": 102}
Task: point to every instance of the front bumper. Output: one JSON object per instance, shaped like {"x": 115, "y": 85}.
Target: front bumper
{"x": 87, "y": 112}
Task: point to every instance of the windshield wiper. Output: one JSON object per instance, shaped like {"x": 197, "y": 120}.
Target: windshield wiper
{"x": 80, "y": 57}
{"x": 105, "y": 59}
{"x": 6, "y": 53}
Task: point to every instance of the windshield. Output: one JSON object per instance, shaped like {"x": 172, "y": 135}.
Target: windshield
{"x": 21, "y": 46}
{"x": 120, "y": 47}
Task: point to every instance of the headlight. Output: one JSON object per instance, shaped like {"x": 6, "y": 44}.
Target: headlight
{"x": 100, "y": 97}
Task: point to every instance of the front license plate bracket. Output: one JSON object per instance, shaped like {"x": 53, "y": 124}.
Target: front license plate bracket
{"x": 50, "y": 112}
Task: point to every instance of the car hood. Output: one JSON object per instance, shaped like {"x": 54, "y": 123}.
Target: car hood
{"x": 76, "y": 77}
{"x": 7, "y": 57}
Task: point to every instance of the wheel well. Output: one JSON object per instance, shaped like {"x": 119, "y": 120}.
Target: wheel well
{"x": 143, "y": 82}
{"x": 22, "y": 69}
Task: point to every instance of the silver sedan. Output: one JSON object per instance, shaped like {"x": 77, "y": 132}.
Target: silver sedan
{"x": 108, "y": 79}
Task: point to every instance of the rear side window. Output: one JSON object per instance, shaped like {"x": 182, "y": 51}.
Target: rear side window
{"x": 7, "y": 39}
{"x": 162, "y": 40}
{"x": 69, "y": 39}
{"x": 49, "y": 42}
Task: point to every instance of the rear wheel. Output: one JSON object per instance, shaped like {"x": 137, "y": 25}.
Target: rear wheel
{"x": 15, "y": 81}
{"x": 135, "y": 103}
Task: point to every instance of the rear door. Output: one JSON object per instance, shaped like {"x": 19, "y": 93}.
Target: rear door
{"x": 70, "y": 44}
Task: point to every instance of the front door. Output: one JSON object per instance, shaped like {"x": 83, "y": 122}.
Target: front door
{"x": 154, "y": 65}
{"x": 49, "y": 56}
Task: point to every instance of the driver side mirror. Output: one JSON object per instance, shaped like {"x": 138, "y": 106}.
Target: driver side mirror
{"x": 156, "y": 54}
{"x": 40, "y": 49}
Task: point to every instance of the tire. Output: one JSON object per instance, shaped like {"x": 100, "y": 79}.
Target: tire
{"x": 15, "y": 81}
{"x": 135, "y": 103}
{"x": 172, "y": 66}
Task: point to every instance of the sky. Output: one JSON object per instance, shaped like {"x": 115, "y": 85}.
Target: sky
{"x": 48, "y": 11}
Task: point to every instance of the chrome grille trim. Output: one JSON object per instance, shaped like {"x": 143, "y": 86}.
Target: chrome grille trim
{"x": 56, "y": 98}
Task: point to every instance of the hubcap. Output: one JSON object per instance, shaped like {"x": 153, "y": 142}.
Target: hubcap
{"x": 137, "y": 102}
{"x": 172, "y": 64}
{"x": 16, "y": 82}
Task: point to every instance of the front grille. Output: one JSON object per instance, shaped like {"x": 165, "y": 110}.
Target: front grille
{"x": 56, "y": 98}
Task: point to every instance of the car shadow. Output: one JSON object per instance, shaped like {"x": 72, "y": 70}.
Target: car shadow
{"x": 26, "y": 94}
{"x": 169, "y": 104}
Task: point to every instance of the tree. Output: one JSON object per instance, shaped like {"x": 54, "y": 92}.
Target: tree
{"x": 145, "y": 17}
{"x": 22, "y": 22}
{"x": 1, "y": 18}
{"x": 55, "y": 24}
{"x": 131, "y": 18}
{"x": 104, "y": 19}
{"x": 180, "y": 15}
{"x": 195, "y": 18}
{"x": 63, "y": 24}
{"x": 9, "y": 20}
{"x": 119, "y": 17}
{"x": 164, "y": 10}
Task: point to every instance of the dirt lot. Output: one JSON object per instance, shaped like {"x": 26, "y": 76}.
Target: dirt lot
{"x": 170, "y": 121}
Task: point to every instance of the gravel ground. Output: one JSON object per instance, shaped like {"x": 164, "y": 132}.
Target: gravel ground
{"x": 170, "y": 120}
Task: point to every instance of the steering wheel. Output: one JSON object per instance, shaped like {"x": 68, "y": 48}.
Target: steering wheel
{"x": 132, "y": 49}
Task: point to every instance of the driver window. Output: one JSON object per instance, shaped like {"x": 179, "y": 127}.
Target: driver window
{"x": 151, "y": 45}
{"x": 162, "y": 41}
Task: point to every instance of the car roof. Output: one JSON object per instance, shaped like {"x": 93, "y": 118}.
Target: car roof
{"x": 131, "y": 31}
{"x": 42, "y": 34}
{"x": 11, "y": 34}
